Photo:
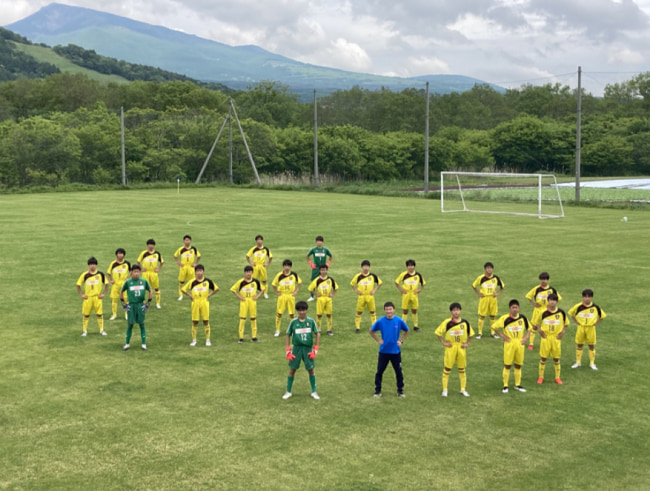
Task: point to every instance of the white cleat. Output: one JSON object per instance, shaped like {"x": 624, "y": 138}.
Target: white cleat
{"x": 277, "y": 333}
{"x": 103, "y": 333}
{"x": 84, "y": 334}
{"x": 208, "y": 343}
{"x": 576, "y": 365}
{"x": 126, "y": 347}
{"x": 314, "y": 395}
{"x": 112, "y": 317}
{"x": 158, "y": 306}
{"x": 520, "y": 388}
{"x": 193, "y": 343}
{"x": 266, "y": 296}
{"x": 144, "y": 347}
{"x": 180, "y": 298}
{"x": 464, "y": 393}
{"x": 504, "y": 390}
{"x": 593, "y": 366}
{"x": 286, "y": 395}
{"x": 310, "y": 299}
{"x": 444, "y": 393}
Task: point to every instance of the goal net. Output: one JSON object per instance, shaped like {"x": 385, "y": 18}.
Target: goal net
{"x": 494, "y": 192}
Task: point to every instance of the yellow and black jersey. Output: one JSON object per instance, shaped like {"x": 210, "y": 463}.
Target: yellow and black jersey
{"x": 93, "y": 283}
{"x": 150, "y": 260}
{"x": 365, "y": 283}
{"x": 587, "y": 315}
{"x": 410, "y": 282}
{"x": 259, "y": 255}
{"x": 553, "y": 322}
{"x": 324, "y": 285}
{"x": 513, "y": 327}
{"x": 119, "y": 271}
{"x": 488, "y": 285}
{"x": 247, "y": 289}
{"x": 455, "y": 332}
{"x": 286, "y": 283}
{"x": 188, "y": 256}
{"x": 200, "y": 289}
{"x": 539, "y": 295}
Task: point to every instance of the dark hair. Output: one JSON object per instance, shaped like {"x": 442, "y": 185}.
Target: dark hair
{"x": 544, "y": 276}
{"x": 488, "y": 264}
{"x": 287, "y": 262}
{"x": 389, "y": 304}
{"x": 151, "y": 241}
{"x": 552, "y": 296}
{"x": 302, "y": 305}
{"x": 410, "y": 262}
{"x": 118, "y": 250}
{"x": 512, "y": 302}
{"x": 136, "y": 266}
{"x": 323, "y": 266}
{"x": 588, "y": 293}
{"x": 187, "y": 237}
{"x": 365, "y": 262}
{"x": 319, "y": 237}
{"x": 455, "y": 305}
{"x": 248, "y": 268}
{"x": 92, "y": 260}
{"x": 258, "y": 236}
{"x": 199, "y": 266}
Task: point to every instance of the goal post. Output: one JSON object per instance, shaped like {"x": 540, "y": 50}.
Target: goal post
{"x": 501, "y": 192}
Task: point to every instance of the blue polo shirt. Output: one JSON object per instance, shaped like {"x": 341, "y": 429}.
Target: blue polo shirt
{"x": 390, "y": 332}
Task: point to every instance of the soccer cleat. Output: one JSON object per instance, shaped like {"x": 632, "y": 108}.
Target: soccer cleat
{"x": 125, "y": 347}
{"x": 530, "y": 347}
{"x": 416, "y": 329}
{"x": 144, "y": 347}
{"x": 266, "y": 296}
{"x": 180, "y": 298}
{"x": 464, "y": 393}
{"x": 208, "y": 343}
{"x": 158, "y": 306}
{"x": 357, "y": 331}
{"x": 314, "y": 395}
{"x": 478, "y": 336}
{"x": 593, "y": 366}
{"x": 400, "y": 394}
{"x": 558, "y": 381}
{"x": 520, "y": 388}
{"x": 286, "y": 394}
{"x": 540, "y": 380}
{"x": 495, "y": 336}
{"x": 377, "y": 394}
{"x": 310, "y": 299}
{"x": 444, "y": 393}
{"x": 330, "y": 333}
{"x": 504, "y": 390}
{"x": 103, "y": 333}
{"x": 193, "y": 343}
{"x": 255, "y": 340}
{"x": 112, "y": 317}
{"x": 277, "y": 333}
{"x": 576, "y": 365}
{"x": 83, "y": 333}
{"x": 241, "y": 341}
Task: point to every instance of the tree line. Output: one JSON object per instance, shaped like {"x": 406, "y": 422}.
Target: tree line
{"x": 66, "y": 128}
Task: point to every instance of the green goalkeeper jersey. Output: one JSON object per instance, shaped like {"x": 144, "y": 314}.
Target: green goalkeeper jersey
{"x": 302, "y": 332}
{"x": 320, "y": 255}
{"x": 135, "y": 290}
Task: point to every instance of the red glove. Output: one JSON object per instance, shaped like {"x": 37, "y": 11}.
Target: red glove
{"x": 312, "y": 354}
{"x": 312, "y": 265}
{"x": 328, "y": 263}
{"x": 290, "y": 355}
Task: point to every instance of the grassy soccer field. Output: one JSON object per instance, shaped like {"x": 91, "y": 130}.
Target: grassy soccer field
{"x": 78, "y": 413}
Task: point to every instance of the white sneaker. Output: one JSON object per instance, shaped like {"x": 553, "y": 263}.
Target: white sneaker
{"x": 84, "y": 334}
{"x": 158, "y": 306}
{"x": 144, "y": 347}
{"x": 520, "y": 388}
{"x": 208, "y": 343}
{"x": 478, "y": 336}
{"x": 103, "y": 333}
{"x": 464, "y": 393}
{"x": 266, "y": 296}
{"x": 310, "y": 299}
{"x": 193, "y": 343}
{"x": 377, "y": 394}
{"x": 180, "y": 298}
{"x": 286, "y": 395}
{"x": 576, "y": 365}
{"x": 126, "y": 347}
{"x": 593, "y": 366}
{"x": 444, "y": 393}
{"x": 277, "y": 333}
{"x": 504, "y": 390}
{"x": 314, "y": 395}
{"x": 112, "y": 318}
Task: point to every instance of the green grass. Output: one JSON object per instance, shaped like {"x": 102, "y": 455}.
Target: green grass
{"x": 47, "y": 55}
{"x": 78, "y": 413}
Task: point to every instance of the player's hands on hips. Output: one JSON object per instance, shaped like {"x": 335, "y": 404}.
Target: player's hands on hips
{"x": 126, "y": 306}
{"x": 101, "y": 295}
{"x": 290, "y": 356}
{"x": 312, "y": 265}
{"x": 145, "y": 307}
{"x": 465, "y": 344}
{"x": 312, "y": 354}
{"x": 446, "y": 344}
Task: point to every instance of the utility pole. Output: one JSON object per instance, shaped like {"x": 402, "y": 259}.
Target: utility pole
{"x": 578, "y": 134}
{"x": 426, "y": 145}
{"x": 316, "y": 176}
{"x": 123, "y": 152}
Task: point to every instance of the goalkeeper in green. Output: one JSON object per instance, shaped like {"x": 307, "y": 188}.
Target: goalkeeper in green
{"x": 301, "y": 333}
{"x": 135, "y": 288}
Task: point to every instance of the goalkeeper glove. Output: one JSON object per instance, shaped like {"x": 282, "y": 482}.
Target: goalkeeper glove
{"x": 312, "y": 354}
{"x": 290, "y": 355}
{"x": 145, "y": 306}
{"x": 126, "y": 306}
{"x": 312, "y": 265}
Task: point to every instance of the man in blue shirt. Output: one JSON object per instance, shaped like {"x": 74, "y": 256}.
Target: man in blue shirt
{"x": 389, "y": 346}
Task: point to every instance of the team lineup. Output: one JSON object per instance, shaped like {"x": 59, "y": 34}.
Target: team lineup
{"x": 134, "y": 286}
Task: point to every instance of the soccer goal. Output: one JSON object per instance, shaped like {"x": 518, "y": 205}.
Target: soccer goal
{"x": 500, "y": 192}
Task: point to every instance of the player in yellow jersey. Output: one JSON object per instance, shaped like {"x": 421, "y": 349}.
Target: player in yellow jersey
{"x": 514, "y": 329}
{"x": 554, "y": 322}
{"x": 151, "y": 262}
{"x": 260, "y": 258}
{"x": 587, "y": 315}
{"x": 487, "y": 287}
{"x": 200, "y": 289}
{"x": 324, "y": 288}
{"x": 286, "y": 286}
{"x": 247, "y": 290}
{"x": 187, "y": 257}
{"x": 95, "y": 286}
{"x": 118, "y": 272}
{"x": 410, "y": 283}
{"x": 537, "y": 298}
{"x": 455, "y": 334}
{"x": 365, "y": 285}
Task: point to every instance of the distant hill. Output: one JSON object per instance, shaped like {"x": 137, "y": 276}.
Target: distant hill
{"x": 210, "y": 61}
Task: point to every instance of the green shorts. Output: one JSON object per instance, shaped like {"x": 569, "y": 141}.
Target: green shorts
{"x": 135, "y": 315}
{"x": 302, "y": 353}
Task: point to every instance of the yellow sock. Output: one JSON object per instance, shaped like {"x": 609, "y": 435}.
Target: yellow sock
{"x": 373, "y": 317}
{"x": 542, "y": 366}
{"x": 531, "y": 338}
{"x": 100, "y": 321}
{"x": 319, "y": 322}
{"x": 194, "y": 331}
{"x": 85, "y": 323}
{"x": 506, "y": 377}
{"x": 329, "y": 323}
{"x": 415, "y": 319}
{"x": 357, "y": 321}
{"x": 491, "y": 325}
{"x": 158, "y": 297}
{"x": 242, "y": 322}
{"x": 114, "y": 306}
{"x": 557, "y": 369}
{"x": 481, "y": 320}
{"x": 445, "y": 379}
{"x": 517, "y": 376}
{"x": 278, "y": 322}
{"x": 592, "y": 356}
{"x": 462, "y": 375}
{"x": 254, "y": 327}
{"x": 207, "y": 331}
{"x": 579, "y": 355}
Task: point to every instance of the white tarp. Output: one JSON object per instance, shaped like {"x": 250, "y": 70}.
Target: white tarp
{"x": 643, "y": 184}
